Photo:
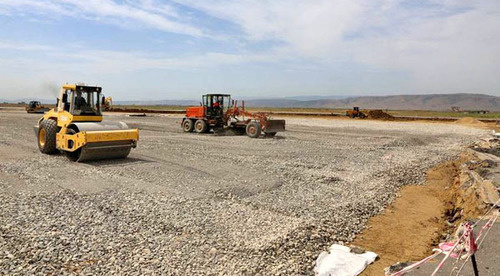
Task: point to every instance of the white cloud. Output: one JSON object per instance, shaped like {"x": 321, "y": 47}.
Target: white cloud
{"x": 24, "y": 46}
{"x": 442, "y": 46}
{"x": 458, "y": 52}
{"x": 156, "y": 7}
{"x": 148, "y": 13}
{"x": 108, "y": 62}
{"x": 36, "y": 5}
{"x": 429, "y": 46}
{"x": 309, "y": 27}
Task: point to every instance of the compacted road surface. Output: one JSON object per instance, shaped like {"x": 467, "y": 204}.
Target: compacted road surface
{"x": 189, "y": 204}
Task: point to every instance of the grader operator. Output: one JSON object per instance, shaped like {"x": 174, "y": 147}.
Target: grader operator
{"x": 75, "y": 127}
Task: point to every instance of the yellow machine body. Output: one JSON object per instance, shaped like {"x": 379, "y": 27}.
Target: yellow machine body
{"x": 84, "y": 136}
{"x": 108, "y": 104}
{"x": 36, "y": 107}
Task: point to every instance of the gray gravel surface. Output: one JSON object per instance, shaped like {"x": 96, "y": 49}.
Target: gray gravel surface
{"x": 188, "y": 204}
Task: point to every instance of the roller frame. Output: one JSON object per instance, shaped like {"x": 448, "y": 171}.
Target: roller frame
{"x": 83, "y": 138}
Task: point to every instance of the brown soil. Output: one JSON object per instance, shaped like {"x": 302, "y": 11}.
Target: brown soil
{"x": 379, "y": 114}
{"x": 415, "y": 222}
{"x": 469, "y": 121}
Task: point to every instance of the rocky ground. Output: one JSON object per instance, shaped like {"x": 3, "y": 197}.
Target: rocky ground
{"x": 188, "y": 204}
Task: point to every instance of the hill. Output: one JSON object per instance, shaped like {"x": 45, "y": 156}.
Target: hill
{"x": 399, "y": 102}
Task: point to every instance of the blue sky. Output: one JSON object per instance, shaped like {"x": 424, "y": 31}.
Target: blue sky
{"x": 153, "y": 49}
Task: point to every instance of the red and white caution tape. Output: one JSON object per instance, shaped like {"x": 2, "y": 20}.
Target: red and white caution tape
{"x": 488, "y": 225}
{"x": 466, "y": 243}
{"x": 417, "y": 264}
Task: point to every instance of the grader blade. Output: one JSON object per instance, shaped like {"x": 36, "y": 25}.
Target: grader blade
{"x": 274, "y": 126}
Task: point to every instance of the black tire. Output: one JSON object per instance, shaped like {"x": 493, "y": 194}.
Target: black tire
{"x": 253, "y": 130}
{"x": 188, "y": 125}
{"x": 201, "y": 126}
{"x": 239, "y": 131}
{"x": 270, "y": 134}
{"x": 47, "y": 136}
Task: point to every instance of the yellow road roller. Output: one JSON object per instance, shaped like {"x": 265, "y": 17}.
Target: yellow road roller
{"x": 75, "y": 127}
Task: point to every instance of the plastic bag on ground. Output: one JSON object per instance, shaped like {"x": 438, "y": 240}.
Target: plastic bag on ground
{"x": 340, "y": 261}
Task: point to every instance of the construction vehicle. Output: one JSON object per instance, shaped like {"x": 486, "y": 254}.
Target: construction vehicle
{"x": 36, "y": 107}
{"x": 218, "y": 112}
{"x": 75, "y": 127}
{"x": 107, "y": 103}
{"x": 355, "y": 113}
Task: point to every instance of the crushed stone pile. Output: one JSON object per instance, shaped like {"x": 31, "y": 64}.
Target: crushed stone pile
{"x": 469, "y": 121}
{"x": 379, "y": 114}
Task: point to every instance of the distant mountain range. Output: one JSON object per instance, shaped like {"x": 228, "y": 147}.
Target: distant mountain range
{"x": 397, "y": 102}
{"x": 403, "y": 102}
{"x": 295, "y": 101}
{"x": 413, "y": 102}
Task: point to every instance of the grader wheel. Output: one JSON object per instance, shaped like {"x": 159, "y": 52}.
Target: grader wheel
{"x": 188, "y": 125}
{"x": 253, "y": 130}
{"x": 201, "y": 126}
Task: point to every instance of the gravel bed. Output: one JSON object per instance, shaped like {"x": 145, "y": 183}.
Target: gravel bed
{"x": 188, "y": 204}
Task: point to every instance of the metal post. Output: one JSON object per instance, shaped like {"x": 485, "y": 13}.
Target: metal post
{"x": 474, "y": 264}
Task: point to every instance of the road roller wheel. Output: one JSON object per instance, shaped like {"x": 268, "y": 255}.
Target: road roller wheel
{"x": 201, "y": 126}
{"x": 253, "y": 130}
{"x": 188, "y": 125}
{"x": 47, "y": 136}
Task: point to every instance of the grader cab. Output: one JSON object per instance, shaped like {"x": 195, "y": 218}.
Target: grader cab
{"x": 75, "y": 127}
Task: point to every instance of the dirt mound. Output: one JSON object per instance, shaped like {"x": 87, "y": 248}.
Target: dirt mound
{"x": 421, "y": 215}
{"x": 469, "y": 121}
{"x": 416, "y": 216}
{"x": 379, "y": 114}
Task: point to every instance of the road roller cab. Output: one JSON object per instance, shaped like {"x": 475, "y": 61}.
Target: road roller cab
{"x": 75, "y": 127}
